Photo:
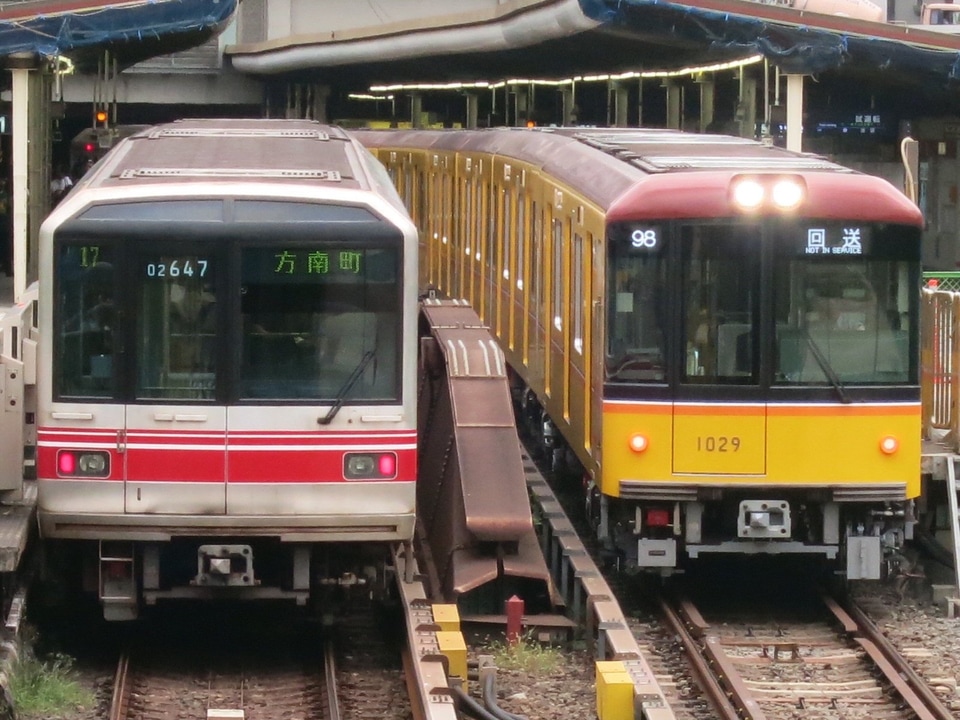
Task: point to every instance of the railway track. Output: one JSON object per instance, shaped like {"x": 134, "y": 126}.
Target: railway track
{"x": 265, "y": 674}
{"x": 763, "y": 655}
{"x": 811, "y": 658}
{"x": 213, "y": 666}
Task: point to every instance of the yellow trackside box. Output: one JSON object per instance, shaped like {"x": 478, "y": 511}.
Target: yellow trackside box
{"x": 447, "y": 617}
{"x": 454, "y": 648}
{"x": 614, "y": 691}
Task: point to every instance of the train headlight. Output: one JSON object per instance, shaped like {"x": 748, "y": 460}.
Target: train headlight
{"x": 83, "y": 463}
{"x": 889, "y": 445}
{"x": 369, "y": 466}
{"x": 748, "y": 193}
{"x": 639, "y": 443}
{"x": 787, "y": 193}
{"x": 751, "y": 193}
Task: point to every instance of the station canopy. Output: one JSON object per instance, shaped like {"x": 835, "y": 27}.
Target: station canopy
{"x": 568, "y": 38}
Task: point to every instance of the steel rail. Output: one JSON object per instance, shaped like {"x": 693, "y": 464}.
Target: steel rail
{"x": 923, "y": 701}
{"x": 330, "y": 679}
{"x": 120, "y": 699}
{"x": 698, "y": 665}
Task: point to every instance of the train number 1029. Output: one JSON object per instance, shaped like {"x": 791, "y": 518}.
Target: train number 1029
{"x": 718, "y": 443}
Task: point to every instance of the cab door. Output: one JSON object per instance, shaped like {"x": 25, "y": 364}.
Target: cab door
{"x": 720, "y": 409}
{"x": 175, "y": 426}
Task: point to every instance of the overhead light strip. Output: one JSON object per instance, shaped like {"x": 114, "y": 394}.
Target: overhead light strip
{"x": 631, "y": 75}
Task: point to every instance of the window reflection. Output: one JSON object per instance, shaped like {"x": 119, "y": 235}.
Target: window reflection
{"x": 309, "y": 319}
{"x": 721, "y": 281}
{"x": 86, "y": 321}
{"x": 176, "y": 328}
{"x": 636, "y": 317}
{"x": 849, "y": 320}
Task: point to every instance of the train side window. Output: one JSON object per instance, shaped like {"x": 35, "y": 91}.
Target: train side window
{"x": 576, "y": 285}
{"x": 557, "y": 274}
{"x": 521, "y": 239}
{"x": 84, "y": 318}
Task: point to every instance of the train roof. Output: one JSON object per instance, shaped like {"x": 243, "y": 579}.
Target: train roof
{"x": 236, "y": 151}
{"x": 647, "y": 171}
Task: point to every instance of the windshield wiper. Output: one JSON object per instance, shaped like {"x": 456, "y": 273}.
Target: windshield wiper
{"x": 826, "y": 367}
{"x": 347, "y": 386}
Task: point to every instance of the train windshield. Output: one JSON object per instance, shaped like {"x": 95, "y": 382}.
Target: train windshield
{"x": 637, "y": 320}
{"x": 845, "y": 300}
{"x": 763, "y": 303}
{"x": 312, "y": 315}
{"x": 86, "y": 328}
{"x": 308, "y": 321}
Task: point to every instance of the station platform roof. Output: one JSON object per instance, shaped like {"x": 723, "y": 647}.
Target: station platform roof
{"x": 566, "y": 38}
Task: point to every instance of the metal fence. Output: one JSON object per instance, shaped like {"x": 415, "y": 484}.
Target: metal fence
{"x": 942, "y": 280}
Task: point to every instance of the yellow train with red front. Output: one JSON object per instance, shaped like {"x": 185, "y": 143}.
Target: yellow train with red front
{"x": 722, "y": 335}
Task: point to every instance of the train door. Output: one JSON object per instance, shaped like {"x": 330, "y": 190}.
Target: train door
{"x": 519, "y": 316}
{"x": 450, "y": 224}
{"x": 175, "y": 443}
{"x": 598, "y": 338}
{"x": 720, "y": 413}
{"x": 558, "y": 313}
{"x": 576, "y": 369}
{"x": 502, "y": 275}
{"x": 85, "y": 376}
{"x": 535, "y": 306}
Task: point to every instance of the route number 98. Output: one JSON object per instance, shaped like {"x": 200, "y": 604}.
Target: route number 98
{"x": 644, "y": 238}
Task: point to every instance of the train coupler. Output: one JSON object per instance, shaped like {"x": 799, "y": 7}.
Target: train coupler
{"x": 764, "y": 519}
{"x": 225, "y": 566}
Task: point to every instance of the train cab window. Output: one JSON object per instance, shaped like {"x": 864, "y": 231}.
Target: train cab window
{"x": 845, "y": 317}
{"x": 176, "y": 326}
{"x": 636, "y": 319}
{"x": 720, "y": 277}
{"x": 320, "y": 323}
{"x": 85, "y": 321}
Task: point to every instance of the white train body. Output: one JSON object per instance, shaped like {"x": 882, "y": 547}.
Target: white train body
{"x": 227, "y": 364}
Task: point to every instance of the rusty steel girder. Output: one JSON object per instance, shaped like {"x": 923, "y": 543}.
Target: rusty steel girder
{"x": 472, "y": 499}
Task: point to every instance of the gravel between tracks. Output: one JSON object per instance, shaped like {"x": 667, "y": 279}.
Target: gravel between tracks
{"x": 914, "y": 624}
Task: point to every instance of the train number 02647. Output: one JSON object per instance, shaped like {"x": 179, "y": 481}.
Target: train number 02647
{"x": 718, "y": 443}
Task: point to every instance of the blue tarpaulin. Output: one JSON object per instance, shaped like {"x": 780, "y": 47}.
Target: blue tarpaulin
{"x": 816, "y": 44}
{"x": 60, "y": 28}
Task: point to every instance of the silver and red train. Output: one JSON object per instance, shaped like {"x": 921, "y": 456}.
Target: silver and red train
{"x": 227, "y": 367}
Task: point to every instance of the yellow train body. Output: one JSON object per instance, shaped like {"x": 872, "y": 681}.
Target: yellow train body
{"x": 781, "y": 447}
{"x": 526, "y": 226}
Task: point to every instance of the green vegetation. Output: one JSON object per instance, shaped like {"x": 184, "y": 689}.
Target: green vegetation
{"x": 47, "y": 688}
{"x": 527, "y": 655}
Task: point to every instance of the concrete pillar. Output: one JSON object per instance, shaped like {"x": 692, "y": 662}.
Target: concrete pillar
{"x": 472, "y": 108}
{"x": 416, "y": 110}
{"x": 674, "y": 104}
{"x": 747, "y": 106}
{"x": 28, "y": 197}
{"x": 707, "y": 93}
{"x": 639, "y": 102}
{"x": 321, "y": 93}
{"x": 795, "y": 112}
{"x": 521, "y": 105}
{"x": 567, "y": 100}
{"x": 620, "y": 104}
